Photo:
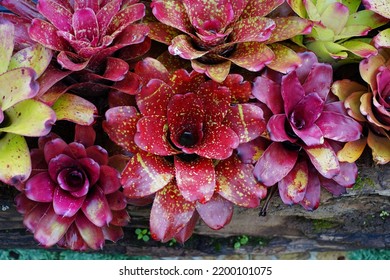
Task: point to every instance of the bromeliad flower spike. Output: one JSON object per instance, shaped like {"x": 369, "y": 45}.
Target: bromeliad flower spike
{"x": 73, "y": 197}
{"x": 188, "y": 161}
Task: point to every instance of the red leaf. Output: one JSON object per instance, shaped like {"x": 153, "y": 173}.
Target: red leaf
{"x": 292, "y": 187}
{"x": 195, "y": 179}
{"x": 170, "y": 213}
{"x": 217, "y": 212}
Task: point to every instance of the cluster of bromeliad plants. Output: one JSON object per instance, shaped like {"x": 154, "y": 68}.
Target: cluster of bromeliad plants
{"x": 192, "y": 106}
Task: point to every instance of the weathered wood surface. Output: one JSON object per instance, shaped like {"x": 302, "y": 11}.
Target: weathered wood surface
{"x": 356, "y": 220}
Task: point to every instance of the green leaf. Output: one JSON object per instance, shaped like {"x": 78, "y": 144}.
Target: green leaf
{"x": 29, "y": 118}
{"x": 37, "y": 57}
{"x": 17, "y": 85}
{"x": 15, "y": 162}
{"x": 138, "y": 231}
{"x": 73, "y": 108}
{"x": 7, "y": 32}
{"x": 145, "y": 238}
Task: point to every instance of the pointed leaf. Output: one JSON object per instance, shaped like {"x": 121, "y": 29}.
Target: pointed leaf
{"x": 65, "y": 204}
{"x": 324, "y": 159}
{"x": 182, "y": 46}
{"x": 15, "y": 162}
{"x": 275, "y": 163}
{"x": 51, "y": 228}
{"x": 40, "y": 188}
{"x": 17, "y": 85}
{"x": 378, "y": 6}
{"x": 96, "y": 207}
{"x": 352, "y": 150}
{"x": 184, "y": 234}
{"x": 292, "y": 92}
{"x": 268, "y": 92}
{"x": 260, "y": 7}
{"x": 7, "y": 33}
{"x": 216, "y": 213}
{"x": 289, "y": 27}
{"x": 30, "y": 118}
{"x": 154, "y": 97}
{"x": 216, "y": 72}
{"x": 383, "y": 39}
{"x": 145, "y": 174}
{"x": 360, "y": 48}
{"x": 75, "y": 109}
{"x": 252, "y": 56}
{"x": 276, "y": 127}
{"x": 380, "y": 147}
{"x": 46, "y": 34}
{"x": 311, "y": 201}
{"x": 195, "y": 179}
{"x": 109, "y": 179}
{"x": 170, "y": 213}
{"x": 285, "y": 61}
{"x": 335, "y": 16}
{"x": 292, "y": 188}
{"x": 91, "y": 234}
{"x": 163, "y": 9}
{"x": 36, "y": 57}
{"x": 57, "y": 14}
{"x": 156, "y": 143}
{"x": 113, "y": 233}
{"x": 246, "y": 120}
{"x": 120, "y": 125}
{"x": 236, "y": 183}
{"x": 257, "y": 29}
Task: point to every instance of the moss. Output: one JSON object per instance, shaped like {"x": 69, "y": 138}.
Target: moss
{"x": 321, "y": 225}
{"x": 370, "y": 254}
{"x": 363, "y": 182}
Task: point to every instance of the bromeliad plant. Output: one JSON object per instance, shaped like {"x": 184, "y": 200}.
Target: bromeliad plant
{"x": 188, "y": 161}
{"x": 214, "y": 35}
{"x": 339, "y": 28}
{"x": 370, "y": 106}
{"x": 72, "y": 198}
{"x": 181, "y": 122}
{"x": 306, "y": 132}
{"x": 20, "y": 114}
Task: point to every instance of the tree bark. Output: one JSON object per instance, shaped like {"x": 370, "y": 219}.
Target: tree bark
{"x": 356, "y": 220}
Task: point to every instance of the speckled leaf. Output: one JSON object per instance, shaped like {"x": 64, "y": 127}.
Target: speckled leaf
{"x": 216, "y": 72}
{"x": 292, "y": 187}
{"x": 217, "y": 212}
{"x": 236, "y": 183}
{"x": 7, "y": 33}
{"x": 275, "y": 163}
{"x": 285, "y": 61}
{"x": 91, "y": 234}
{"x": 162, "y": 33}
{"x": 379, "y": 6}
{"x": 120, "y": 125}
{"x": 156, "y": 142}
{"x": 251, "y": 152}
{"x": 30, "y": 118}
{"x": 298, "y": 7}
{"x": 46, "y": 34}
{"x": 57, "y": 14}
{"x": 252, "y": 56}
{"x": 260, "y": 7}
{"x": 125, "y": 17}
{"x": 76, "y": 109}
{"x": 380, "y": 147}
{"x": 17, "y": 85}
{"x": 96, "y": 207}
{"x": 150, "y": 68}
{"x": 145, "y": 174}
{"x": 352, "y": 150}
{"x": 288, "y": 27}
{"x": 383, "y": 39}
{"x": 218, "y": 142}
{"x": 182, "y": 46}
{"x": 246, "y": 120}
{"x": 240, "y": 89}
{"x": 257, "y": 29}
{"x": 154, "y": 97}
{"x": 67, "y": 61}
{"x": 37, "y": 57}
{"x": 195, "y": 179}
{"x": 51, "y": 228}
{"x": 163, "y": 10}
{"x": 311, "y": 201}
{"x": 170, "y": 213}
{"x": 324, "y": 159}
{"x": 15, "y": 162}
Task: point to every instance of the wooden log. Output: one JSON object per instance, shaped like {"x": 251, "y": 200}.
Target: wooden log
{"x": 356, "y": 220}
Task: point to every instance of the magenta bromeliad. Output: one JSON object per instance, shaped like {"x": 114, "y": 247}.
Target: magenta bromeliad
{"x": 192, "y": 108}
